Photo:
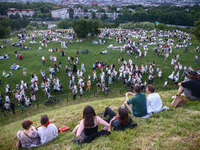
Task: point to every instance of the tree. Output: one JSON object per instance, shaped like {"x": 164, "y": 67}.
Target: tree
{"x": 64, "y": 24}
{"x": 197, "y": 28}
{"x": 161, "y": 26}
{"x": 80, "y": 28}
{"x": 71, "y": 13}
{"x": 14, "y": 24}
{"x": 93, "y": 15}
{"x": 104, "y": 17}
{"x": 83, "y": 27}
{"x": 96, "y": 27}
{"x": 16, "y": 16}
{"x": 85, "y": 10}
{"x": 29, "y": 27}
{"x": 90, "y": 27}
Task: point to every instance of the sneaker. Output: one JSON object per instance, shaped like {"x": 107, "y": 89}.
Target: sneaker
{"x": 165, "y": 107}
{"x": 174, "y": 96}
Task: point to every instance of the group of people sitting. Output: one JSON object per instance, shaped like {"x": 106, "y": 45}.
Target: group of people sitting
{"x": 142, "y": 107}
{"x": 32, "y": 137}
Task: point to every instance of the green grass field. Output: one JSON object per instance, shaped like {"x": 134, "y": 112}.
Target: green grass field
{"x": 173, "y": 129}
{"x": 33, "y": 63}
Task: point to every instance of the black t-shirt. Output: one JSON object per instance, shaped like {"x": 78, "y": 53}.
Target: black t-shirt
{"x": 118, "y": 126}
{"x": 194, "y": 86}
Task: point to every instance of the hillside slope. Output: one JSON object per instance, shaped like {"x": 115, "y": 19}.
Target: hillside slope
{"x": 174, "y": 129}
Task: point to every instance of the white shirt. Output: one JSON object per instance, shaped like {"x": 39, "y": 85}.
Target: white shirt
{"x": 47, "y": 133}
{"x": 154, "y": 102}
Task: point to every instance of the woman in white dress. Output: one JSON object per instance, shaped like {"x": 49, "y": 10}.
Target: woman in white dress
{"x": 47, "y": 131}
{"x": 171, "y": 76}
{"x": 154, "y": 102}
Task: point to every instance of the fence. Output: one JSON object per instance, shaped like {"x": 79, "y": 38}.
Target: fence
{"x": 90, "y": 93}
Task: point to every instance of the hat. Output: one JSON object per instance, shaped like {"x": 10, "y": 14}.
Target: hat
{"x": 194, "y": 73}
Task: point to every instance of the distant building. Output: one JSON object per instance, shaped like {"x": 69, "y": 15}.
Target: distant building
{"x": 23, "y": 12}
{"x": 60, "y": 13}
{"x": 64, "y": 13}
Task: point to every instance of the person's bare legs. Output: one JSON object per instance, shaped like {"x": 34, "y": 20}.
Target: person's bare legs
{"x": 129, "y": 107}
{"x": 180, "y": 90}
{"x": 75, "y": 129}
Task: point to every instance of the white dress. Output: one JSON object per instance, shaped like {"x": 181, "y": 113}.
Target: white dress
{"x": 154, "y": 103}
{"x": 47, "y": 133}
{"x": 171, "y": 76}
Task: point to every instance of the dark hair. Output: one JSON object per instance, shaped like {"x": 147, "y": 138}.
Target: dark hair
{"x": 123, "y": 116}
{"x": 138, "y": 88}
{"x": 26, "y": 124}
{"x": 44, "y": 120}
{"x": 88, "y": 116}
{"x": 193, "y": 77}
{"x": 151, "y": 88}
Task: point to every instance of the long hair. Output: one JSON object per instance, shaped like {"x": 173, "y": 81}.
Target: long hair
{"x": 123, "y": 116}
{"x": 88, "y": 116}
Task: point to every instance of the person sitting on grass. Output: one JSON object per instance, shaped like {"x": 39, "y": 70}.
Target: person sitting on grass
{"x": 119, "y": 121}
{"x": 154, "y": 102}
{"x": 89, "y": 124}
{"x": 47, "y": 131}
{"x": 139, "y": 108}
{"x": 190, "y": 88}
{"x": 29, "y": 137}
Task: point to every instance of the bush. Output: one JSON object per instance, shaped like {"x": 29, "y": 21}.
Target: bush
{"x": 142, "y": 25}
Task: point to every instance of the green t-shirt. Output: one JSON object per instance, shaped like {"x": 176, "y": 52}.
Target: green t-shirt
{"x": 138, "y": 105}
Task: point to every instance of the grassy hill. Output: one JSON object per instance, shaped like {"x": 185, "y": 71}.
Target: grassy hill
{"x": 173, "y": 129}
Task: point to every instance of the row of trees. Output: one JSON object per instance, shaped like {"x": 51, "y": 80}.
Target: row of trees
{"x": 185, "y": 16}
{"x": 14, "y": 22}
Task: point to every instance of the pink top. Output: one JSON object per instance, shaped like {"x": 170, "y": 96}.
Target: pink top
{"x": 26, "y": 141}
{"x": 97, "y": 121}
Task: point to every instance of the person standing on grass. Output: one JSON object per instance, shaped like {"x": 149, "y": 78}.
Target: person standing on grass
{"x": 43, "y": 60}
{"x": 139, "y": 108}
{"x": 54, "y": 59}
{"x": 51, "y": 59}
{"x": 24, "y": 71}
{"x": 196, "y": 59}
{"x": 12, "y": 106}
